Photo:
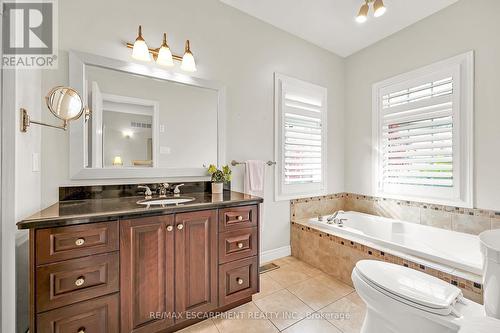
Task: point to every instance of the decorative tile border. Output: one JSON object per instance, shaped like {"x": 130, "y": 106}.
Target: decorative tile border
{"x": 313, "y": 247}
{"x": 451, "y": 209}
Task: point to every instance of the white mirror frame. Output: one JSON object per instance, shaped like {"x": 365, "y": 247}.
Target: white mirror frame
{"x": 78, "y": 61}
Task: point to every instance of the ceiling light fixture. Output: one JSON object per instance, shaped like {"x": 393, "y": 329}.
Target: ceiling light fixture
{"x": 363, "y": 13}
{"x": 162, "y": 55}
{"x": 378, "y": 10}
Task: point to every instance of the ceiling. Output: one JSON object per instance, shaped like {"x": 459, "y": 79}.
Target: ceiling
{"x": 330, "y": 24}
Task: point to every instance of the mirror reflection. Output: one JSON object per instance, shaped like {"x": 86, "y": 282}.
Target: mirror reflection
{"x": 143, "y": 122}
{"x": 64, "y": 103}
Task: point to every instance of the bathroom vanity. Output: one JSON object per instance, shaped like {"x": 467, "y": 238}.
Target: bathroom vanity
{"x": 111, "y": 265}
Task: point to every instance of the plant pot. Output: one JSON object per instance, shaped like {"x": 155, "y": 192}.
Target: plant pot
{"x": 217, "y": 188}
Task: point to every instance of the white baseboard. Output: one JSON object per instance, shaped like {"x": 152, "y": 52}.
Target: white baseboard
{"x": 270, "y": 255}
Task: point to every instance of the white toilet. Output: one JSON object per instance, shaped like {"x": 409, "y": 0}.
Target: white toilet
{"x": 403, "y": 300}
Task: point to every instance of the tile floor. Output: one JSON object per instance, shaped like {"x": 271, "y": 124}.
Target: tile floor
{"x": 294, "y": 298}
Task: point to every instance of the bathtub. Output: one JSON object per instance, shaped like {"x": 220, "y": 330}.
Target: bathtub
{"x": 450, "y": 248}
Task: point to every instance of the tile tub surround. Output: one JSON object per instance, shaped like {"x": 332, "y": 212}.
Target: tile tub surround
{"x": 472, "y": 221}
{"x": 337, "y": 257}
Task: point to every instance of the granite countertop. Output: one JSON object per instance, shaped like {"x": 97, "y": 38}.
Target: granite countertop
{"x": 97, "y": 210}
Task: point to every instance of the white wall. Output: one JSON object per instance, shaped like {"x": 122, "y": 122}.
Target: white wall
{"x": 230, "y": 47}
{"x": 467, "y": 25}
{"x": 20, "y": 192}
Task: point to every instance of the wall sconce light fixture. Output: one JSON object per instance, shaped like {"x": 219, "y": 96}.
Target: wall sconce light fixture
{"x": 378, "y": 10}
{"x": 162, "y": 55}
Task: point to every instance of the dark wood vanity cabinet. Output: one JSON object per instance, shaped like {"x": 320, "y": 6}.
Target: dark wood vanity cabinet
{"x": 143, "y": 274}
{"x": 147, "y": 273}
{"x": 195, "y": 262}
{"x": 155, "y": 252}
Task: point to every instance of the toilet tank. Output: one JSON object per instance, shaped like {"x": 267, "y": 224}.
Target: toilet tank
{"x": 490, "y": 247}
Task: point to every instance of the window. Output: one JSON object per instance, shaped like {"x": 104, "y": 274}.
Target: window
{"x": 300, "y": 138}
{"x": 422, "y": 134}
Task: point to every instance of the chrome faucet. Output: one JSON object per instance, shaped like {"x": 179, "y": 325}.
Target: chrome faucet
{"x": 177, "y": 191}
{"x": 163, "y": 189}
{"x": 333, "y": 218}
{"x": 147, "y": 191}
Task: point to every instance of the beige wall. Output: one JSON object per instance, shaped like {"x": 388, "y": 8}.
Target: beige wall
{"x": 467, "y": 25}
{"x": 230, "y": 47}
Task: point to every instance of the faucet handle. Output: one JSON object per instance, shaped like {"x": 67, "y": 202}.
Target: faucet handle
{"x": 177, "y": 190}
{"x": 147, "y": 191}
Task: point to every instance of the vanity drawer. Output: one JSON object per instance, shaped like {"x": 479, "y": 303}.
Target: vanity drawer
{"x": 75, "y": 241}
{"x": 238, "y": 217}
{"x": 99, "y": 315}
{"x": 237, "y": 244}
{"x": 238, "y": 280}
{"x": 76, "y": 280}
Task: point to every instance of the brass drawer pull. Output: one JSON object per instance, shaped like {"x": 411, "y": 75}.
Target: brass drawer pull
{"x": 239, "y": 281}
{"x": 240, "y": 245}
{"x": 80, "y": 281}
{"x": 80, "y": 241}
{"x": 180, "y": 226}
{"x": 170, "y": 228}
{"x": 240, "y": 218}
{"x": 81, "y": 330}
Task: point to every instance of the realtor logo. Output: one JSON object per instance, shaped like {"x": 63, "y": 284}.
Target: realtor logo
{"x": 29, "y": 34}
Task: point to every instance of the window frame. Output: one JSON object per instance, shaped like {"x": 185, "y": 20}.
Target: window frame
{"x": 300, "y": 190}
{"x": 461, "y": 68}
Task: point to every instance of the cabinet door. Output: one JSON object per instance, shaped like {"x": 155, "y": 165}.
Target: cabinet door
{"x": 196, "y": 262}
{"x": 147, "y": 274}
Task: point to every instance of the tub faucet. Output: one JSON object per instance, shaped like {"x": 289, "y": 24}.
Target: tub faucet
{"x": 340, "y": 222}
{"x": 332, "y": 217}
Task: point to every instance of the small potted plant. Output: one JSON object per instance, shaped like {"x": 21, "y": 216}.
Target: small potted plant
{"x": 219, "y": 177}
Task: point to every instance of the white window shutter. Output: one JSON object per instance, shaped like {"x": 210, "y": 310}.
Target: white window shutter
{"x": 422, "y": 134}
{"x": 417, "y": 135}
{"x": 300, "y": 138}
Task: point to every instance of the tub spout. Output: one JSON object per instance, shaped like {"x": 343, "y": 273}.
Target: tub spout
{"x": 334, "y": 215}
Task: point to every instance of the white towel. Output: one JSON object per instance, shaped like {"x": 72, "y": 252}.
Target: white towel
{"x": 254, "y": 177}
{"x": 254, "y": 185}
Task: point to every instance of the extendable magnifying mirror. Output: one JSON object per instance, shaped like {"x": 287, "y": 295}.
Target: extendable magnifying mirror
{"x": 65, "y": 104}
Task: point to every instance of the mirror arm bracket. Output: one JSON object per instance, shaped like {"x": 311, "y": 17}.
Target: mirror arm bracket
{"x": 26, "y": 122}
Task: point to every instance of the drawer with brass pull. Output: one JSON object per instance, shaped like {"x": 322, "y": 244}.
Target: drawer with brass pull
{"x": 56, "y": 244}
{"x": 100, "y": 315}
{"x": 237, "y": 280}
{"x": 238, "y": 218}
{"x": 237, "y": 244}
{"x": 76, "y": 280}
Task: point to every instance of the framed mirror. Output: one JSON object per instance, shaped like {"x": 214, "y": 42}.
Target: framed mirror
{"x": 146, "y": 122}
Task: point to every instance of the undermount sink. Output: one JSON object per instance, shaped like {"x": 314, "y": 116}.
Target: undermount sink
{"x": 164, "y": 201}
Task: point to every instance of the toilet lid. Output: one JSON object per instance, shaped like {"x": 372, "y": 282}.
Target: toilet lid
{"x": 411, "y": 285}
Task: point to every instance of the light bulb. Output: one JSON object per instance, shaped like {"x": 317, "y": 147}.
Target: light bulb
{"x": 117, "y": 160}
{"x": 363, "y": 13}
{"x": 379, "y": 8}
{"x": 188, "y": 64}
{"x": 164, "y": 54}
{"x": 140, "y": 50}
